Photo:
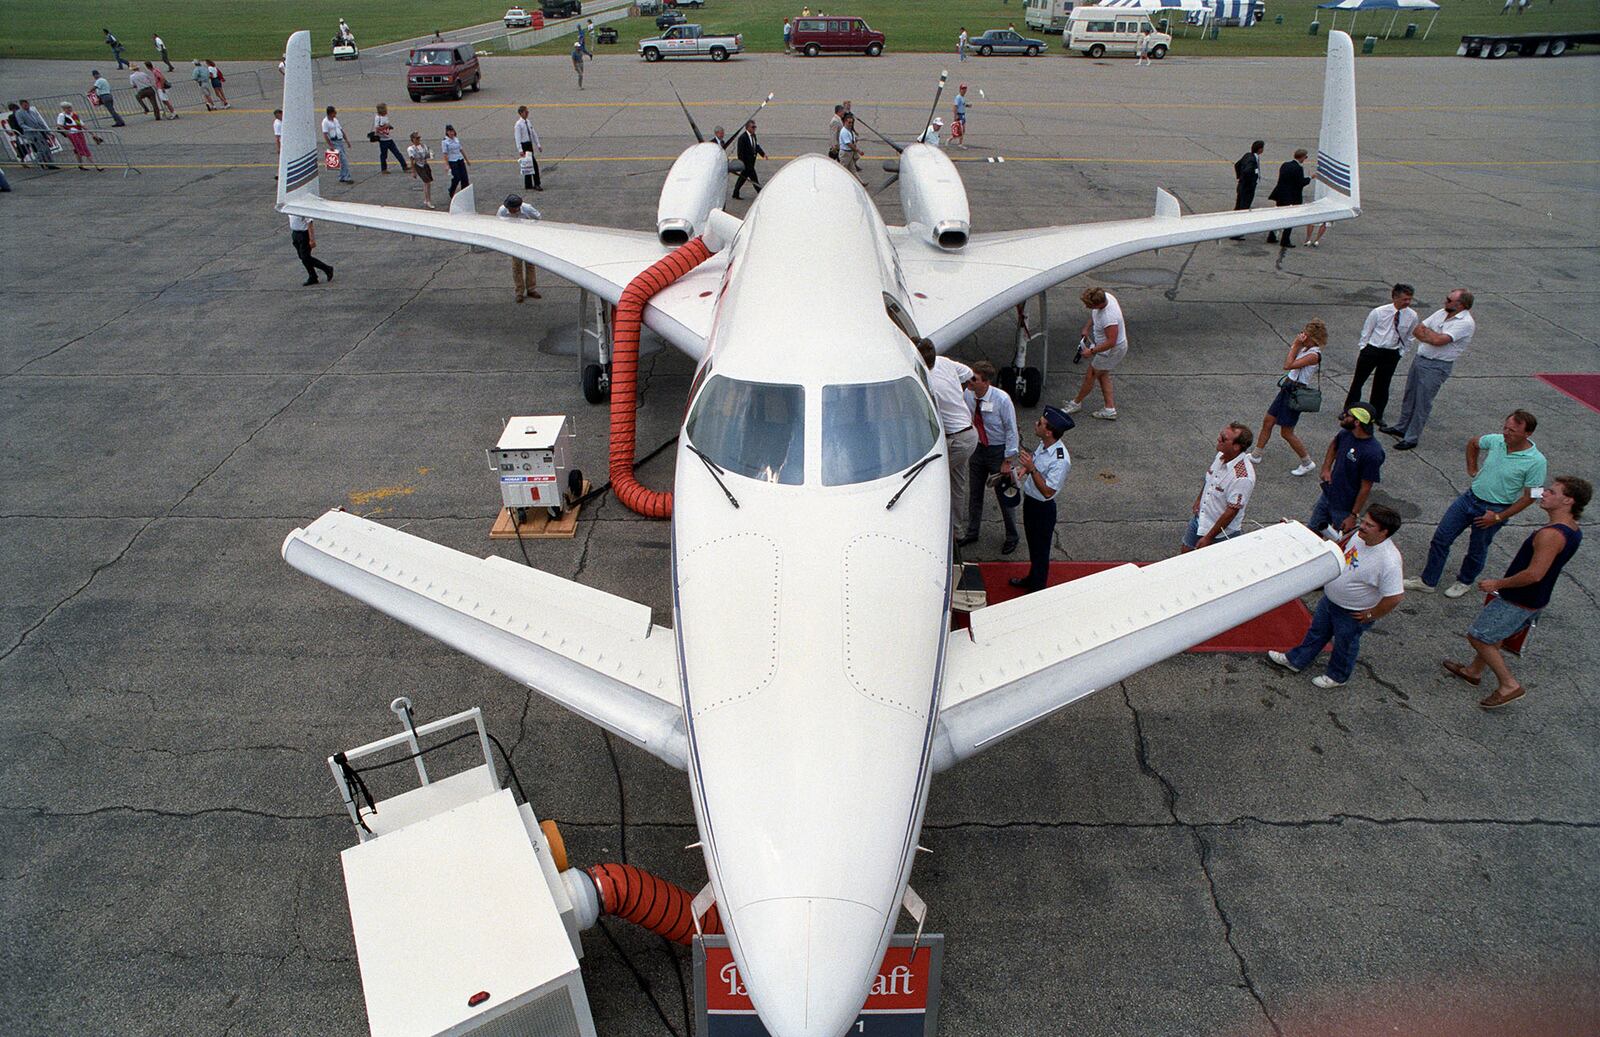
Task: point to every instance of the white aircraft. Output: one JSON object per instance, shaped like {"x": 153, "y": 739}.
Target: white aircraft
{"x": 811, "y": 685}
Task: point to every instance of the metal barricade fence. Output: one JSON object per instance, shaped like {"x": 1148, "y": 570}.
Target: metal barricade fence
{"x": 106, "y": 149}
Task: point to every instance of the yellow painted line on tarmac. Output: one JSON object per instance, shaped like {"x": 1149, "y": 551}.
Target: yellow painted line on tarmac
{"x": 1096, "y": 159}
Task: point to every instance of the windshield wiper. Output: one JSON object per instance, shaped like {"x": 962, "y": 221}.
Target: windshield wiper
{"x": 910, "y": 475}
{"x": 716, "y": 471}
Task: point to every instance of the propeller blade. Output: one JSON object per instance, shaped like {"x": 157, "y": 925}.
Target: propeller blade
{"x": 897, "y": 148}
{"x": 891, "y": 165}
{"x": 885, "y": 185}
{"x": 763, "y": 104}
{"x": 699, "y": 137}
{"x": 944, "y": 77}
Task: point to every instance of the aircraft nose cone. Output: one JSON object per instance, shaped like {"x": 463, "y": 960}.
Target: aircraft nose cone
{"x": 808, "y": 963}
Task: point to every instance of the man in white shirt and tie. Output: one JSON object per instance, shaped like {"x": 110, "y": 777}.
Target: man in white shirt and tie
{"x": 526, "y": 139}
{"x": 1383, "y": 343}
{"x": 994, "y": 420}
{"x": 1444, "y": 336}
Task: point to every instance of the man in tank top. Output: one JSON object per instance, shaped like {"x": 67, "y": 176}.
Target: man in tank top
{"x": 1524, "y": 591}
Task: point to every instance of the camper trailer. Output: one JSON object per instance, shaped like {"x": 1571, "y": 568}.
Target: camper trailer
{"x": 1047, "y": 15}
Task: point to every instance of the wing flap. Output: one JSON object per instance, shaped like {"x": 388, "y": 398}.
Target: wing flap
{"x": 1039, "y": 653}
{"x": 594, "y": 653}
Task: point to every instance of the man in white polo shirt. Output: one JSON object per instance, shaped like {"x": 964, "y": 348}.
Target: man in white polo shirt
{"x": 1443, "y": 337}
{"x": 947, "y": 380}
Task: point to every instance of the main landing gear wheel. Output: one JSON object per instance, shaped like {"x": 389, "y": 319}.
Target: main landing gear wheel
{"x": 596, "y": 383}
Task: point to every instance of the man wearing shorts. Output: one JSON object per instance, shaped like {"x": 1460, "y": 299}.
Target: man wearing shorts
{"x": 1105, "y": 338}
{"x": 1523, "y": 592}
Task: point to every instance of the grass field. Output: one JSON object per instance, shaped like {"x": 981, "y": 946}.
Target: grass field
{"x": 233, "y": 30}
{"x": 932, "y": 25}
{"x": 256, "y": 29}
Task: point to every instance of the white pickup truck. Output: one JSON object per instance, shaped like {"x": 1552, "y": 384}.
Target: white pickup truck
{"x": 689, "y": 41}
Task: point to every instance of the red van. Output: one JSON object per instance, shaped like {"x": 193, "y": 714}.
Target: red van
{"x": 836, "y": 34}
{"x": 442, "y": 68}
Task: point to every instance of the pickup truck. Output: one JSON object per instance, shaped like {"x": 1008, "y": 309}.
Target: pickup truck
{"x": 688, "y": 41}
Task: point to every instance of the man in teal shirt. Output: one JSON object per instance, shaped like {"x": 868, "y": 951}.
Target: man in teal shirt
{"x": 1504, "y": 470}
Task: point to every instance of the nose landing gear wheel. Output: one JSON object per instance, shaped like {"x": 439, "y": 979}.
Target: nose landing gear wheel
{"x": 596, "y": 383}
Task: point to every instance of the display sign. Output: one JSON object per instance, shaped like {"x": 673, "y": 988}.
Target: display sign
{"x": 904, "y": 1001}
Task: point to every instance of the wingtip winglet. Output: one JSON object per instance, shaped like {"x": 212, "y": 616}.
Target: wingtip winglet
{"x": 1338, "y": 159}
{"x": 299, "y": 157}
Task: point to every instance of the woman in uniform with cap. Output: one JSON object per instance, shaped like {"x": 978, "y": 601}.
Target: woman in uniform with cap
{"x": 1042, "y": 475}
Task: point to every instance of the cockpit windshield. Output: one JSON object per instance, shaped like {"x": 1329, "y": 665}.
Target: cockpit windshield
{"x": 754, "y": 429}
{"x": 874, "y": 429}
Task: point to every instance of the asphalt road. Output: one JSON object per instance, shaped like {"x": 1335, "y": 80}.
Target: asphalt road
{"x": 1209, "y": 848}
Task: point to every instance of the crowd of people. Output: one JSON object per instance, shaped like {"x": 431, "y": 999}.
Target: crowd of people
{"x": 1507, "y": 472}
{"x": 37, "y": 140}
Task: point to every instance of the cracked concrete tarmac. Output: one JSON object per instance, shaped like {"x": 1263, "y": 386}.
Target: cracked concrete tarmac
{"x": 1213, "y": 847}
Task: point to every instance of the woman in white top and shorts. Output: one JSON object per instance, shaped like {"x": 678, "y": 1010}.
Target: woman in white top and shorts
{"x": 1305, "y": 357}
{"x": 419, "y": 155}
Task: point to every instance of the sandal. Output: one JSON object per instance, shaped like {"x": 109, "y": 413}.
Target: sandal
{"x": 1501, "y": 697}
{"x": 1457, "y": 670}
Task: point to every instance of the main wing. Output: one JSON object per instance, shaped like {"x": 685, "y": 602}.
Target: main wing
{"x": 595, "y": 653}
{"x": 1028, "y": 657}
{"x": 955, "y": 293}
{"x": 601, "y": 260}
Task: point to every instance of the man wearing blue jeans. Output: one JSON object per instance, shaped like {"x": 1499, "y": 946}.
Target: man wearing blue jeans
{"x": 1504, "y": 470}
{"x": 1368, "y": 588}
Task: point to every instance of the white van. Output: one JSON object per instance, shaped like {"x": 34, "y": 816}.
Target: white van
{"x": 1097, "y": 31}
{"x": 1047, "y": 15}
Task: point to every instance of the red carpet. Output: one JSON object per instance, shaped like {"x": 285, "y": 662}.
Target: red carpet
{"x": 1282, "y": 628}
{"x": 1585, "y": 388}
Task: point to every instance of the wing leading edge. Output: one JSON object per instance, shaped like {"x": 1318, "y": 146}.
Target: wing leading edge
{"x": 1098, "y": 630}
{"x": 955, "y": 293}
{"x": 594, "y": 653}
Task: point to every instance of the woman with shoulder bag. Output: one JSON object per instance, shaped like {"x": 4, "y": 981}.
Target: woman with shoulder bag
{"x": 1296, "y": 395}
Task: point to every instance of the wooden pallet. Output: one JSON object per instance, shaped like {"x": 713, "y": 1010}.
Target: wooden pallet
{"x": 539, "y": 525}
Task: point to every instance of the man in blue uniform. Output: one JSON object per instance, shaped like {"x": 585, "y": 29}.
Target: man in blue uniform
{"x": 1042, "y": 474}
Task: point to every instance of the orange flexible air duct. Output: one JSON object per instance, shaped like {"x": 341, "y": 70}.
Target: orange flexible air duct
{"x": 641, "y": 898}
{"x": 625, "y": 376}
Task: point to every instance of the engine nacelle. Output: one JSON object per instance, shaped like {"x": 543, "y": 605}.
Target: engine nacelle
{"x": 933, "y": 197}
{"x": 696, "y": 184}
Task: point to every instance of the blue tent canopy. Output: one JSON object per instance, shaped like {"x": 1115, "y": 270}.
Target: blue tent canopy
{"x": 1355, "y": 7}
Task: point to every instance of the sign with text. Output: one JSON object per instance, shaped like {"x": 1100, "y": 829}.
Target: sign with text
{"x": 904, "y": 1001}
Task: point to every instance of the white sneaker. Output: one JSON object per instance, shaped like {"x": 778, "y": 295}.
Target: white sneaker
{"x": 1255, "y": 457}
{"x": 1414, "y": 583}
{"x": 1279, "y": 659}
{"x": 1071, "y": 407}
{"x": 1105, "y": 414}
{"x": 1324, "y": 681}
{"x": 1455, "y": 590}
{"x": 1305, "y": 467}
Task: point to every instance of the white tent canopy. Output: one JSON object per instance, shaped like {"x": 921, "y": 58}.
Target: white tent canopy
{"x": 1355, "y": 7}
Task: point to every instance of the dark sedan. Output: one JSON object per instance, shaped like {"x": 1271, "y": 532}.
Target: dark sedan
{"x": 1005, "y": 41}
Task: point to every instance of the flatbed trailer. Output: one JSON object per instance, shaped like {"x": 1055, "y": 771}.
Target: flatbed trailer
{"x": 1527, "y": 44}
